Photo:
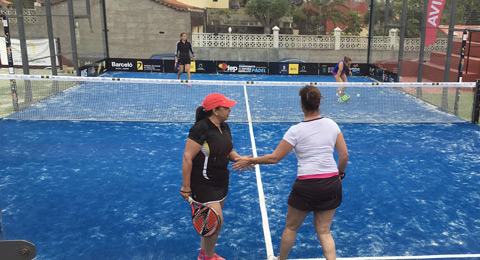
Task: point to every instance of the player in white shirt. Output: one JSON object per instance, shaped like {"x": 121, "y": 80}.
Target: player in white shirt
{"x": 318, "y": 186}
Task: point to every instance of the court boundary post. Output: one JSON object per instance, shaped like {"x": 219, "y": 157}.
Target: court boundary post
{"x": 11, "y": 70}
{"x": 476, "y": 103}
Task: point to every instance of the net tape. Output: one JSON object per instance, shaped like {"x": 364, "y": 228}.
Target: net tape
{"x": 164, "y": 100}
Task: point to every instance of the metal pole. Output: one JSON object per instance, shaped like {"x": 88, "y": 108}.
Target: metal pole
{"x": 476, "y": 104}
{"x": 370, "y": 30}
{"x": 446, "y": 76}
{"x": 106, "y": 52}
{"x": 11, "y": 69}
{"x": 73, "y": 39}
{"x": 51, "y": 40}
{"x": 386, "y": 13}
{"x": 23, "y": 49}
{"x": 401, "y": 50}
{"x": 422, "y": 44}
{"x": 23, "y": 41}
{"x": 460, "y": 71}
{"x": 462, "y": 55}
{"x": 446, "y": 73}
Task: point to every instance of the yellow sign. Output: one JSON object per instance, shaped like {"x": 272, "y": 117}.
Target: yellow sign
{"x": 292, "y": 68}
{"x": 139, "y": 65}
{"x": 192, "y": 66}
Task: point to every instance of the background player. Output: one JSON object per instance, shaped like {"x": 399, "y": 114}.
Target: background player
{"x": 182, "y": 55}
{"x": 340, "y": 74}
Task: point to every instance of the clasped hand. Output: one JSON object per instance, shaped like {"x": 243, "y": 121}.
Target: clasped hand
{"x": 243, "y": 163}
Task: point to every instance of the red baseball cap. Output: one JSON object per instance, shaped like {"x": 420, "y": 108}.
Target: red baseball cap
{"x": 216, "y": 100}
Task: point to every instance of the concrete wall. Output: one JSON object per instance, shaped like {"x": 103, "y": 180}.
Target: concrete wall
{"x": 308, "y": 55}
{"x": 134, "y": 31}
{"x": 133, "y": 28}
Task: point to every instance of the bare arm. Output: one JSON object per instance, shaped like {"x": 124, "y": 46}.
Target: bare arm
{"x": 341, "y": 147}
{"x": 176, "y": 53}
{"x": 282, "y": 150}
{"x": 235, "y": 157}
{"x": 191, "y": 150}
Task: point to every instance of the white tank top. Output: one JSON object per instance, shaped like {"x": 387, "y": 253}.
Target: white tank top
{"x": 314, "y": 143}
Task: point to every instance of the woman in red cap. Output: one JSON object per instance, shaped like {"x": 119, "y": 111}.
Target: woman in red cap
{"x": 208, "y": 150}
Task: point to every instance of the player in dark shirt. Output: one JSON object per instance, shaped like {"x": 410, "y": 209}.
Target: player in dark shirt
{"x": 182, "y": 55}
{"x": 208, "y": 150}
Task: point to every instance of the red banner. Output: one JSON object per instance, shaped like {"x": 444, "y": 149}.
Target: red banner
{"x": 434, "y": 14}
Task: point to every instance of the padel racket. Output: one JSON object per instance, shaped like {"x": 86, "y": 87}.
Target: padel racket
{"x": 344, "y": 98}
{"x": 204, "y": 218}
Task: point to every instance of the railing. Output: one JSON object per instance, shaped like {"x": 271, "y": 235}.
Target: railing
{"x": 326, "y": 42}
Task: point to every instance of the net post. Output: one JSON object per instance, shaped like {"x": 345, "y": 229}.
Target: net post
{"x": 476, "y": 103}
{"x": 11, "y": 69}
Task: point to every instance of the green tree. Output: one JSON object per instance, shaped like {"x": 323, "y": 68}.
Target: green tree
{"x": 267, "y": 12}
{"x": 313, "y": 15}
{"x": 468, "y": 12}
{"x": 354, "y": 24}
{"x": 330, "y": 12}
{"x": 381, "y": 26}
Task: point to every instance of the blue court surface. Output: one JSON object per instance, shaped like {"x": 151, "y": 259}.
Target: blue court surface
{"x": 110, "y": 190}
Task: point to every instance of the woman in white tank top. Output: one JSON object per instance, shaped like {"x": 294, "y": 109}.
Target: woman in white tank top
{"x": 318, "y": 186}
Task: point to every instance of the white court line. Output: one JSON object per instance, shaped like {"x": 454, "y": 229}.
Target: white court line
{"x": 400, "y": 257}
{"x": 261, "y": 195}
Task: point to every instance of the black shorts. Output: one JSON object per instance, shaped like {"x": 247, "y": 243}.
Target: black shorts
{"x": 209, "y": 191}
{"x": 183, "y": 61}
{"x": 316, "y": 194}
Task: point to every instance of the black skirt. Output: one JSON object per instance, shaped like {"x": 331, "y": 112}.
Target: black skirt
{"x": 316, "y": 194}
{"x": 206, "y": 191}
{"x": 184, "y": 61}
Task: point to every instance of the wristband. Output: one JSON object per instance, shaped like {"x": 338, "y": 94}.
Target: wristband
{"x": 181, "y": 191}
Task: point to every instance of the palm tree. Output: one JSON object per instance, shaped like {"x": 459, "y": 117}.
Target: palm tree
{"x": 329, "y": 12}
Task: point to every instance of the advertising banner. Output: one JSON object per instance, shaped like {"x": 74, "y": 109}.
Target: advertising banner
{"x": 237, "y": 67}
{"x": 293, "y": 68}
{"x": 326, "y": 68}
{"x": 434, "y": 14}
{"x": 38, "y": 52}
{"x": 197, "y": 66}
{"x": 135, "y": 65}
{"x": 94, "y": 69}
{"x": 382, "y": 75}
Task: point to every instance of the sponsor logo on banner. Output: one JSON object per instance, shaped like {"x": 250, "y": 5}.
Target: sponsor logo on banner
{"x": 293, "y": 69}
{"x": 303, "y": 69}
{"x": 139, "y": 65}
{"x": 122, "y": 65}
{"x": 200, "y": 67}
{"x": 192, "y": 66}
{"x": 355, "y": 68}
{"x": 283, "y": 68}
{"x": 324, "y": 69}
{"x": 434, "y": 14}
{"x": 227, "y": 68}
{"x": 242, "y": 68}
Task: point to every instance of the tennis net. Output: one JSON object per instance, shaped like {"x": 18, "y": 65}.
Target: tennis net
{"x": 161, "y": 100}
